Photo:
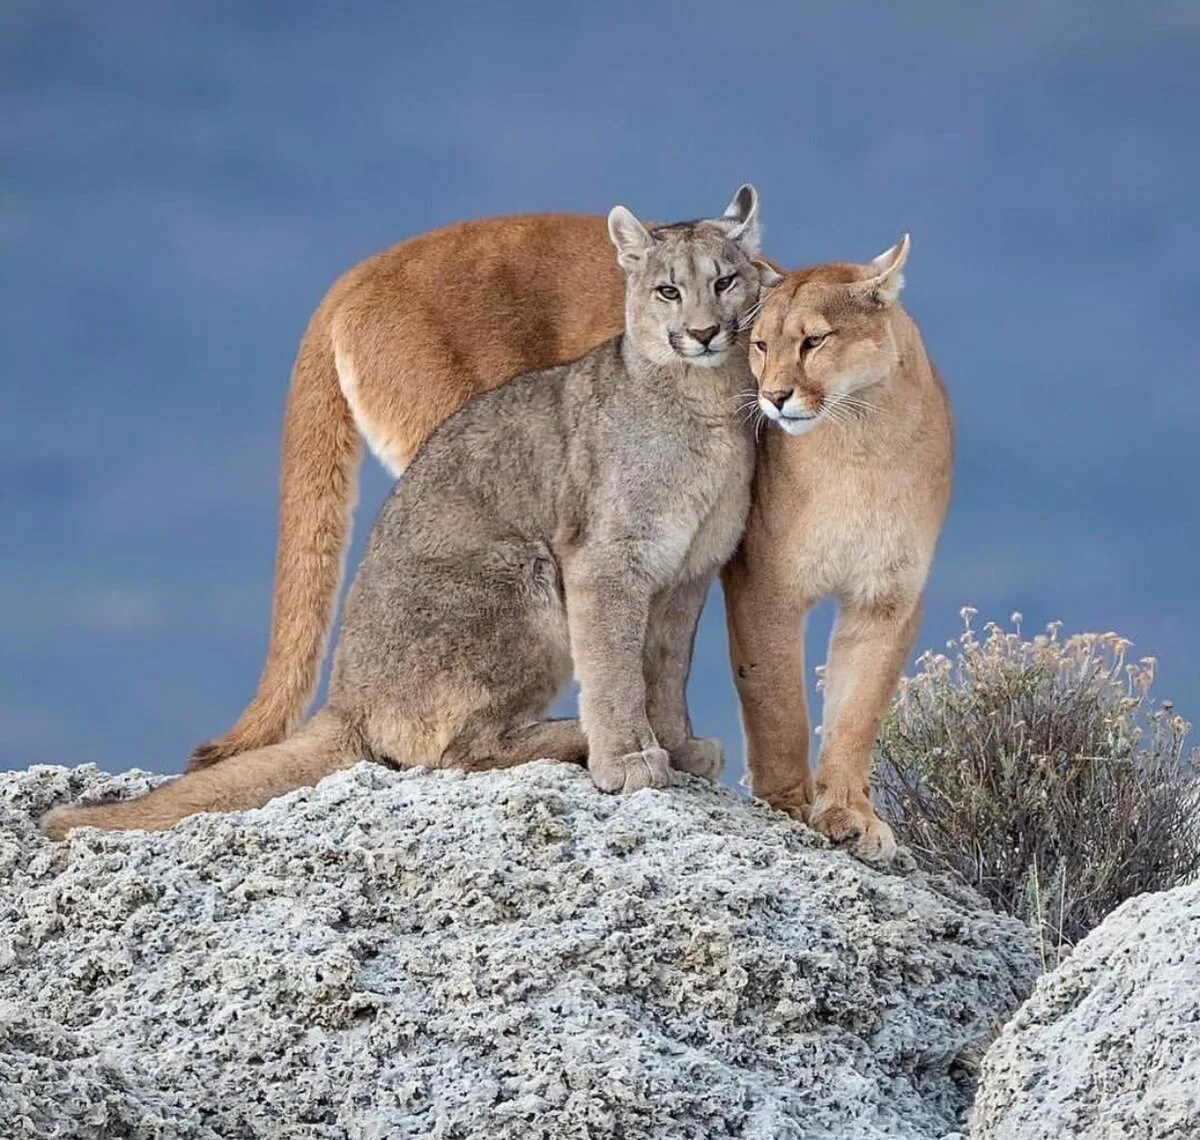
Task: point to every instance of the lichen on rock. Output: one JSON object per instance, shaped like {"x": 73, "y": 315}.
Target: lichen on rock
{"x": 510, "y": 954}
{"x": 1108, "y": 1046}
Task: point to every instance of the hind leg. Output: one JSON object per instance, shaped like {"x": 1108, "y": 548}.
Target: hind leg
{"x": 474, "y": 687}
{"x": 482, "y": 748}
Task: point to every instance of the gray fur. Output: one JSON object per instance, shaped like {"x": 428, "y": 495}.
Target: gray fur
{"x": 570, "y": 520}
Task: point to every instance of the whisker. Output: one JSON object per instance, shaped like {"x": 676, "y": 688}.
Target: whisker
{"x": 854, "y": 409}
{"x": 747, "y": 317}
{"x": 846, "y": 416}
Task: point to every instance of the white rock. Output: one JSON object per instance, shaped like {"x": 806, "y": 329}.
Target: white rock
{"x": 513, "y": 954}
{"x": 1108, "y": 1046}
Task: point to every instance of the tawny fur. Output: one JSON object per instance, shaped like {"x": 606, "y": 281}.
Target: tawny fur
{"x": 853, "y": 510}
{"x": 567, "y": 522}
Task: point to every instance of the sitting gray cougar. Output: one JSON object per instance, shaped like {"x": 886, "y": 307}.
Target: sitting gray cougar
{"x": 569, "y": 521}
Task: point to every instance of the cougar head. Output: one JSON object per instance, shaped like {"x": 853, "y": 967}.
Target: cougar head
{"x": 689, "y": 286}
{"x": 823, "y": 337}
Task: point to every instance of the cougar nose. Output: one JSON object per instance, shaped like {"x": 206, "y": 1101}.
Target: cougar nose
{"x": 779, "y": 396}
{"x": 705, "y": 335}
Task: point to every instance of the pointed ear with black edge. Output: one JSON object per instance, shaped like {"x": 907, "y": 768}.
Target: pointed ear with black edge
{"x": 768, "y": 275}
{"x": 631, "y": 238}
{"x": 888, "y": 279}
{"x": 741, "y": 218}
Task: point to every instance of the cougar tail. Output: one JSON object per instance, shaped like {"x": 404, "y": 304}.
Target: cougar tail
{"x": 324, "y": 745}
{"x": 317, "y": 493}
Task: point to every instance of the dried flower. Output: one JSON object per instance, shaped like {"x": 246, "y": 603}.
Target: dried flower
{"x": 1041, "y": 772}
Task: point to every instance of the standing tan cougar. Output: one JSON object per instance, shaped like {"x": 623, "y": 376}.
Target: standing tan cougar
{"x": 573, "y": 518}
{"x": 852, "y": 510}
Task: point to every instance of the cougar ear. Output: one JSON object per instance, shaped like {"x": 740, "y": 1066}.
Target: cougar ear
{"x": 631, "y": 238}
{"x": 768, "y": 275}
{"x": 885, "y": 285}
{"x": 741, "y": 218}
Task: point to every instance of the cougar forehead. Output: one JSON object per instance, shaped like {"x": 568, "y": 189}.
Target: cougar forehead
{"x": 814, "y": 296}
{"x": 686, "y": 246}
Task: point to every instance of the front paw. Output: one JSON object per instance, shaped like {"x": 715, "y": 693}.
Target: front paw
{"x": 847, "y": 818}
{"x": 797, "y": 802}
{"x": 702, "y": 756}
{"x": 650, "y": 768}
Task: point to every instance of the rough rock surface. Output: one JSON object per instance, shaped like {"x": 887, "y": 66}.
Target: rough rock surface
{"x": 1108, "y": 1046}
{"x": 502, "y": 955}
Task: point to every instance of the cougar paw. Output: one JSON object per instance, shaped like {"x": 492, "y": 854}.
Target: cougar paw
{"x": 796, "y": 803}
{"x": 849, "y": 820}
{"x": 700, "y": 755}
{"x": 650, "y": 768}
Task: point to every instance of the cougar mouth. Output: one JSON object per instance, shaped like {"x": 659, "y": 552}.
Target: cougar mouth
{"x": 791, "y": 422}
{"x": 703, "y": 354}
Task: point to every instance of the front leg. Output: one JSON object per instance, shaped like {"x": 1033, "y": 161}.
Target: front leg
{"x": 765, "y": 611}
{"x": 607, "y": 615}
{"x": 674, "y": 616}
{"x": 866, "y": 656}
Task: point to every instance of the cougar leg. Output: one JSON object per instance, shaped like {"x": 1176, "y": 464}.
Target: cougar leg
{"x": 866, "y": 656}
{"x": 544, "y": 740}
{"x": 765, "y": 613}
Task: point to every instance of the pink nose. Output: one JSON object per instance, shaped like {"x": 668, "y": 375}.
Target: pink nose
{"x": 779, "y": 396}
{"x": 704, "y": 336}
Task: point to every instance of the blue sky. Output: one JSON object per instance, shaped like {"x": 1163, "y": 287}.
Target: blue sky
{"x": 182, "y": 183}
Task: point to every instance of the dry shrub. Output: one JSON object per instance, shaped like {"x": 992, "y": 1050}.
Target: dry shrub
{"x": 1043, "y": 774}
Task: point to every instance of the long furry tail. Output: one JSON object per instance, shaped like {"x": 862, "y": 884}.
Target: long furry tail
{"x": 324, "y": 745}
{"x": 317, "y": 493}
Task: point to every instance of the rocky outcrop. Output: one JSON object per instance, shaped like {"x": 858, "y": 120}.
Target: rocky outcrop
{"x": 513, "y": 954}
{"x": 1108, "y": 1047}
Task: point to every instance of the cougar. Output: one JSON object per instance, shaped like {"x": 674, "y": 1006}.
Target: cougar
{"x": 569, "y": 521}
{"x": 853, "y": 510}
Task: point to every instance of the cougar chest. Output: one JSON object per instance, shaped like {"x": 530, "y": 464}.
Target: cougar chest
{"x": 723, "y": 467}
{"x": 853, "y": 535}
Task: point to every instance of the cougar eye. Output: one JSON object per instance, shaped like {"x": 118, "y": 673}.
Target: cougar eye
{"x": 668, "y": 292}
{"x": 761, "y": 345}
{"x": 814, "y": 340}
{"x": 723, "y": 283}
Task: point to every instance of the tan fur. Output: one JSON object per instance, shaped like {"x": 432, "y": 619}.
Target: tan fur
{"x": 399, "y": 343}
{"x": 852, "y": 509}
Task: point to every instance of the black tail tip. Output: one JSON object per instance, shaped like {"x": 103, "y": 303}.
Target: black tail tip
{"x": 207, "y": 754}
